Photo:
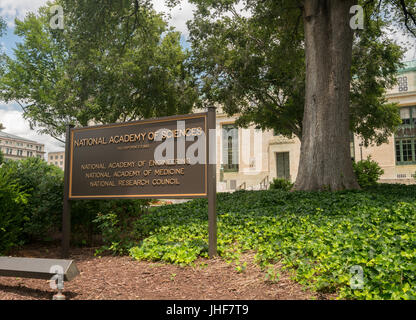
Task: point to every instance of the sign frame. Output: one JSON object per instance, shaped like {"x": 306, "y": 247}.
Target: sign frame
{"x": 134, "y": 123}
{"x": 210, "y": 176}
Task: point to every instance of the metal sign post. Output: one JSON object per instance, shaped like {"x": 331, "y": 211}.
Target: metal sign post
{"x": 212, "y": 183}
{"x": 66, "y": 214}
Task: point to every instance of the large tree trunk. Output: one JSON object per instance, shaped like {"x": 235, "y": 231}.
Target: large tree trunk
{"x": 325, "y": 160}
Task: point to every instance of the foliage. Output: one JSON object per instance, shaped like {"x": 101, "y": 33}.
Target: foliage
{"x": 2, "y": 54}
{"x": 281, "y": 184}
{"x": 39, "y": 213}
{"x": 367, "y": 172}
{"x": 2, "y": 26}
{"x": 113, "y": 61}
{"x": 110, "y": 220}
{"x": 43, "y": 183}
{"x": 1, "y": 156}
{"x": 317, "y": 236}
{"x": 254, "y": 65}
{"x": 115, "y": 220}
{"x": 12, "y": 214}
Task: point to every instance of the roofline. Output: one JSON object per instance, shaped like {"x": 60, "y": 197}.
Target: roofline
{"x": 14, "y": 137}
{"x": 412, "y": 66}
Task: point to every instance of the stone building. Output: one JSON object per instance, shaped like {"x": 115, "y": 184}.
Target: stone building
{"x": 398, "y": 157}
{"x": 16, "y": 148}
{"x": 57, "y": 159}
{"x": 250, "y": 158}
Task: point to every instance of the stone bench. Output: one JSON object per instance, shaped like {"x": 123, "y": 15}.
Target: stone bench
{"x": 59, "y": 270}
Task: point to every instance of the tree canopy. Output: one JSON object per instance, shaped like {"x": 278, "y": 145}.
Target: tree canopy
{"x": 2, "y": 54}
{"x": 112, "y": 61}
{"x": 254, "y": 65}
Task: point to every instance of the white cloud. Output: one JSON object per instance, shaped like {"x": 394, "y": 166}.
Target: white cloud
{"x": 14, "y": 123}
{"x": 179, "y": 15}
{"x": 11, "y": 9}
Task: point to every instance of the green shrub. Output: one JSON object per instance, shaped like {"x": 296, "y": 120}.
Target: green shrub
{"x": 44, "y": 185}
{"x": 111, "y": 221}
{"x": 12, "y": 215}
{"x": 281, "y": 184}
{"x": 367, "y": 172}
{"x": 115, "y": 221}
{"x": 318, "y": 236}
{"x": 42, "y": 210}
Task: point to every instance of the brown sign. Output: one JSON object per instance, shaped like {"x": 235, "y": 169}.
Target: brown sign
{"x": 165, "y": 157}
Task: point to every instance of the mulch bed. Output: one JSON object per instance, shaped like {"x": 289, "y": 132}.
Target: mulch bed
{"x": 114, "y": 277}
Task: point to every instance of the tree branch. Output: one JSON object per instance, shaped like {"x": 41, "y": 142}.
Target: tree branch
{"x": 407, "y": 15}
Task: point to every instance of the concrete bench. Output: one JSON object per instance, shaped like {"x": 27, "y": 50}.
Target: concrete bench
{"x": 59, "y": 270}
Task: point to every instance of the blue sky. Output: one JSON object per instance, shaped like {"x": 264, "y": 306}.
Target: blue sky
{"x": 8, "y": 41}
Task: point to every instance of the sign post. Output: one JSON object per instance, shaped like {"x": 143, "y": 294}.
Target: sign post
{"x": 169, "y": 157}
{"x": 66, "y": 214}
{"x": 212, "y": 183}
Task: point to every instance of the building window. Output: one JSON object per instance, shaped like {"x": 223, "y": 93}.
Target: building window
{"x": 402, "y": 84}
{"x": 405, "y": 151}
{"x": 405, "y": 137}
{"x": 230, "y": 148}
{"x": 283, "y": 165}
{"x": 61, "y": 163}
{"x": 407, "y": 115}
{"x": 62, "y": 156}
{"x": 352, "y": 146}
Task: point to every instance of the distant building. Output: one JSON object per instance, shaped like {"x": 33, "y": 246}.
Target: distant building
{"x": 57, "y": 159}
{"x": 16, "y": 148}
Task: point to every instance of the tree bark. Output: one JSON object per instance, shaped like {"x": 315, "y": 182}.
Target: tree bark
{"x": 325, "y": 160}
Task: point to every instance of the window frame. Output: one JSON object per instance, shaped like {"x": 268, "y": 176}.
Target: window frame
{"x": 226, "y": 166}
{"x": 399, "y": 142}
{"x": 412, "y": 117}
{"x": 403, "y": 84}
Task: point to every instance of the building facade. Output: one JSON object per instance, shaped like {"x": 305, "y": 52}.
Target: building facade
{"x": 57, "y": 159}
{"x": 16, "y": 148}
{"x": 250, "y": 158}
{"x": 398, "y": 157}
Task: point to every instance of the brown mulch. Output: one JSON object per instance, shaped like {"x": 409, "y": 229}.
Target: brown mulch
{"x": 114, "y": 277}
